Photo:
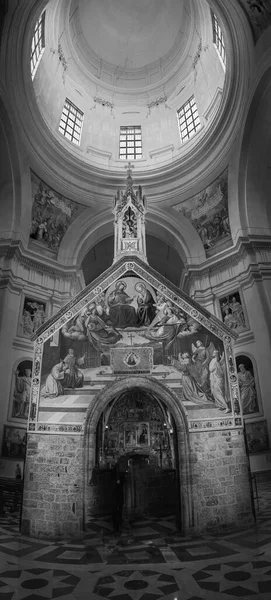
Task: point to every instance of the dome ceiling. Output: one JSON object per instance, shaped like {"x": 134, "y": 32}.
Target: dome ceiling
{"x": 124, "y": 63}
{"x": 129, "y": 34}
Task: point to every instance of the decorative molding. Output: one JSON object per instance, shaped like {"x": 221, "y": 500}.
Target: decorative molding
{"x": 207, "y": 424}
{"x": 103, "y": 102}
{"x": 159, "y": 151}
{"x": 213, "y": 106}
{"x": 15, "y": 250}
{"x": 99, "y": 153}
{"x": 156, "y": 102}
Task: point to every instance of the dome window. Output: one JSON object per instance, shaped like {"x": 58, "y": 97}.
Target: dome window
{"x": 71, "y": 122}
{"x": 188, "y": 118}
{"x": 130, "y": 147}
{"x": 218, "y": 40}
{"x": 38, "y": 44}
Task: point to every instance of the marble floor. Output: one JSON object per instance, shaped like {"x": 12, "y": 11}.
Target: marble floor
{"x": 148, "y": 560}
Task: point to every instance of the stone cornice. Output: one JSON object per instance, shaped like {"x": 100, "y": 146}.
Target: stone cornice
{"x": 15, "y": 251}
{"x": 246, "y": 246}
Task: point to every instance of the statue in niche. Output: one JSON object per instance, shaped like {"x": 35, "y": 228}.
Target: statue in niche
{"x": 129, "y": 224}
{"x": 246, "y": 381}
{"x": 21, "y": 396}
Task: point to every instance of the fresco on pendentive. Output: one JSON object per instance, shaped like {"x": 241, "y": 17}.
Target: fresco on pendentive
{"x": 135, "y": 327}
{"x": 208, "y": 213}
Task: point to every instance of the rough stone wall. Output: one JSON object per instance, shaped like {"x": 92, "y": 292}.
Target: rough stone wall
{"x": 220, "y": 480}
{"x": 53, "y": 486}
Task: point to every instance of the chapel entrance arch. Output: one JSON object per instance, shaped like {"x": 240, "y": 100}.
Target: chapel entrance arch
{"x": 137, "y": 429}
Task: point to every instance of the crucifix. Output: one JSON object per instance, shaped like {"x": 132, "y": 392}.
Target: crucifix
{"x": 131, "y": 336}
{"x": 129, "y": 168}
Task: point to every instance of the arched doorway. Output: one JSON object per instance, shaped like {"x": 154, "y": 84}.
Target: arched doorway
{"x": 137, "y": 429}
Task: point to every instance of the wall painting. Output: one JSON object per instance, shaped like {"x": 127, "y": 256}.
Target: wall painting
{"x": 138, "y": 320}
{"x": 259, "y": 14}
{"x": 52, "y": 214}
{"x": 257, "y": 436}
{"x": 14, "y": 442}
{"x": 208, "y": 213}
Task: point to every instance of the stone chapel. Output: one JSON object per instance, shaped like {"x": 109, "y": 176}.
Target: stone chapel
{"x": 135, "y": 260}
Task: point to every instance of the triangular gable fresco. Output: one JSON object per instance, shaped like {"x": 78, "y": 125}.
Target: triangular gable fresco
{"x": 131, "y": 321}
{"x": 121, "y": 269}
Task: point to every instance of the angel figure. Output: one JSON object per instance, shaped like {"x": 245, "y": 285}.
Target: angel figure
{"x": 192, "y": 390}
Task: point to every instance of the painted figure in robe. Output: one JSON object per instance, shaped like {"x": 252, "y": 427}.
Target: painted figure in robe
{"x": 73, "y": 378}
{"x": 100, "y": 333}
{"x": 121, "y": 313}
{"x": 192, "y": 391}
{"x": 145, "y": 304}
{"x": 218, "y": 382}
{"x": 54, "y": 382}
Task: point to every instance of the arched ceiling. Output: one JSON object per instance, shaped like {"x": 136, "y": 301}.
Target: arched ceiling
{"x": 161, "y": 257}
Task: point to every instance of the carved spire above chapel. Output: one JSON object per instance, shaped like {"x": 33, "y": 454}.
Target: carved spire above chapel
{"x": 129, "y": 223}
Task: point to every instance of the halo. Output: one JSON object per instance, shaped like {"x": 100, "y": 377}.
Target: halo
{"x": 141, "y": 284}
{"x": 121, "y": 282}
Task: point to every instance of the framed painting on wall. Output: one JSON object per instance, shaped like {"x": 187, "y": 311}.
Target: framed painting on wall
{"x": 14, "y": 442}
{"x": 257, "y": 436}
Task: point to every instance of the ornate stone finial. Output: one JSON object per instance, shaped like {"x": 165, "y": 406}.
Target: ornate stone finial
{"x": 129, "y": 210}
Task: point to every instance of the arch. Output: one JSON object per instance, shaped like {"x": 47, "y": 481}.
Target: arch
{"x": 175, "y": 406}
{"x": 88, "y": 229}
{"x": 252, "y": 174}
{"x": 10, "y": 177}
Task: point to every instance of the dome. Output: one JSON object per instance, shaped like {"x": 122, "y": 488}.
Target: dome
{"x": 127, "y": 34}
{"x": 122, "y": 64}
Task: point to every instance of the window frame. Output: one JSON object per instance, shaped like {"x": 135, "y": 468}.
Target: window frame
{"x": 188, "y": 115}
{"x": 218, "y": 40}
{"x": 37, "y": 44}
{"x": 72, "y": 125}
{"x": 130, "y": 138}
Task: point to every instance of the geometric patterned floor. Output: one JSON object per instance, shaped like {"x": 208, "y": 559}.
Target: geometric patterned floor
{"x": 148, "y": 561}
